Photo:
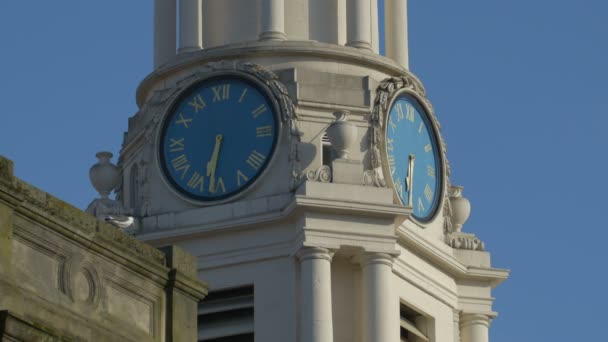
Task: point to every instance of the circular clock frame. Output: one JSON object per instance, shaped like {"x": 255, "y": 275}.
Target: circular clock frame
{"x": 179, "y": 96}
{"x": 433, "y": 126}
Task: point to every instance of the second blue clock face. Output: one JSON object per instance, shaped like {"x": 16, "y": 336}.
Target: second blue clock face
{"x": 218, "y": 138}
{"x": 413, "y": 157}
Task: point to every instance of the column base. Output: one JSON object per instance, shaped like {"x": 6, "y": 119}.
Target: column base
{"x": 188, "y": 49}
{"x": 360, "y": 45}
{"x": 272, "y": 35}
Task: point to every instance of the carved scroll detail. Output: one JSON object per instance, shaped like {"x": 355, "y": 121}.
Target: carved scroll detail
{"x": 322, "y": 174}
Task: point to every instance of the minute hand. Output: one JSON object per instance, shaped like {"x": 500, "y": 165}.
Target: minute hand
{"x": 212, "y": 163}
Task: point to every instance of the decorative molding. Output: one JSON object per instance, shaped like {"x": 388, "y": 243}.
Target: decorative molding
{"x": 161, "y": 100}
{"x": 253, "y": 49}
{"x": 41, "y": 206}
{"x": 461, "y": 240}
{"x": 385, "y": 92}
{"x": 94, "y": 292}
{"x": 373, "y": 178}
{"x": 371, "y": 258}
{"x": 447, "y": 216}
{"x": 445, "y": 260}
{"x": 474, "y": 319}
{"x": 322, "y": 174}
{"x": 110, "y": 233}
{"x": 307, "y": 253}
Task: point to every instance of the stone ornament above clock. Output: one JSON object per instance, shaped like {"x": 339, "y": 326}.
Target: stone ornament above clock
{"x": 413, "y": 160}
{"x": 218, "y": 137}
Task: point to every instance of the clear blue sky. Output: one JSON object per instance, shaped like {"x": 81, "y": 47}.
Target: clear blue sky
{"x": 519, "y": 87}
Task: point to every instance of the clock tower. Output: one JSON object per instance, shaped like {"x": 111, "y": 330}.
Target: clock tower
{"x": 306, "y": 172}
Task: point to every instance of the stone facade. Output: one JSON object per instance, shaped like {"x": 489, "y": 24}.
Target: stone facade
{"x": 66, "y": 276}
{"x": 331, "y": 252}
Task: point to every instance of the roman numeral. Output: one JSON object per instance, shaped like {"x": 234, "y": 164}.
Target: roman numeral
{"x": 197, "y": 103}
{"x": 391, "y": 163}
{"x": 219, "y": 186}
{"x": 183, "y": 121}
{"x": 389, "y": 144}
{"x": 392, "y": 124}
{"x": 241, "y": 178}
{"x": 221, "y": 92}
{"x": 180, "y": 163}
{"x": 197, "y": 181}
{"x": 430, "y": 171}
{"x": 256, "y": 112}
{"x": 420, "y": 206}
{"x": 399, "y": 187}
{"x": 243, "y": 95}
{"x": 399, "y": 109}
{"x": 263, "y": 131}
{"x": 411, "y": 112}
{"x": 176, "y": 145}
{"x": 255, "y": 159}
{"x": 428, "y": 148}
{"x": 428, "y": 194}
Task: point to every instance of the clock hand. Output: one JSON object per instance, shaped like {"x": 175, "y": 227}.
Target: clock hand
{"x": 212, "y": 163}
{"x": 409, "y": 180}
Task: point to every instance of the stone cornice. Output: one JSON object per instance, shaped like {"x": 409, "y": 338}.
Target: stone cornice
{"x": 349, "y": 207}
{"x": 47, "y": 210}
{"x": 447, "y": 262}
{"x": 265, "y": 48}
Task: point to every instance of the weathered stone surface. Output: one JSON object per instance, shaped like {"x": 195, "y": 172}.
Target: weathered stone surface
{"x": 13, "y": 328}
{"x": 66, "y": 276}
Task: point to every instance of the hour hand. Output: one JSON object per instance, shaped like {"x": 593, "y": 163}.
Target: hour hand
{"x": 409, "y": 180}
{"x": 212, "y": 163}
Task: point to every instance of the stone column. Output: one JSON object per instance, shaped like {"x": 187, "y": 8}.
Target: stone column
{"x": 164, "y": 31}
{"x": 358, "y": 19}
{"x": 273, "y": 20}
{"x": 380, "y": 307}
{"x": 315, "y": 295}
{"x": 190, "y": 25}
{"x": 474, "y": 327}
{"x": 395, "y": 24}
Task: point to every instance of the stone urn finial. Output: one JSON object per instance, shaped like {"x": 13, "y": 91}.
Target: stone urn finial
{"x": 461, "y": 207}
{"x": 104, "y": 175}
{"x": 342, "y": 134}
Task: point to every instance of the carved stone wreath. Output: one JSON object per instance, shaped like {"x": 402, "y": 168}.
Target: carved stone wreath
{"x": 387, "y": 89}
{"x": 161, "y": 99}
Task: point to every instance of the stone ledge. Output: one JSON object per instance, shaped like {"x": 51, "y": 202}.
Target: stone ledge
{"x": 274, "y": 48}
{"x": 43, "y": 207}
{"x": 14, "y": 328}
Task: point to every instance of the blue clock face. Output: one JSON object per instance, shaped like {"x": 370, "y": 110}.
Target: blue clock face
{"x": 218, "y": 138}
{"x": 413, "y": 157}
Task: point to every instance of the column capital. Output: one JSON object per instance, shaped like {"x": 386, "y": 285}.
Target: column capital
{"x": 306, "y": 253}
{"x": 373, "y": 258}
{"x": 468, "y": 319}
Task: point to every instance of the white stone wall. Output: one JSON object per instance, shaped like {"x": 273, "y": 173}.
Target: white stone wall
{"x": 328, "y": 261}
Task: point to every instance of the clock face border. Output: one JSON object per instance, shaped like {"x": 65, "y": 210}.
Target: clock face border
{"x": 437, "y": 140}
{"x": 179, "y": 96}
